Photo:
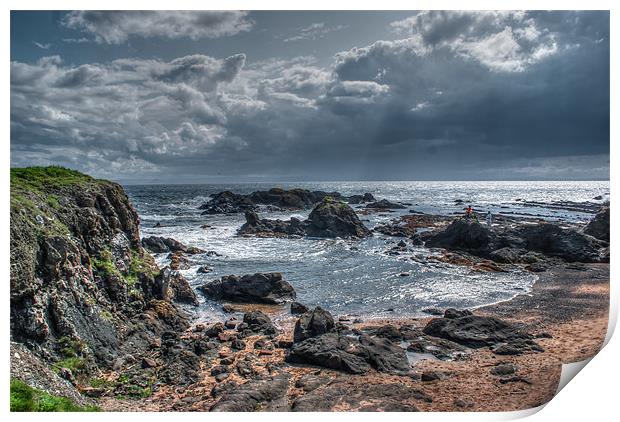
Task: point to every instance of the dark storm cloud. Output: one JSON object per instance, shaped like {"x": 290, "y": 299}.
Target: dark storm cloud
{"x": 458, "y": 95}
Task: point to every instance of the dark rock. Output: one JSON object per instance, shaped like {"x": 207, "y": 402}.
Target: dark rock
{"x": 461, "y": 234}
{"x": 433, "y": 311}
{"x": 330, "y": 218}
{"x": 313, "y": 323}
{"x": 237, "y": 345}
{"x": 352, "y": 355}
{"x": 148, "y": 363}
{"x": 311, "y": 382}
{"x": 599, "y": 226}
{"x": 259, "y": 323}
{"x": 567, "y": 244}
{"x": 214, "y": 330}
{"x": 503, "y": 369}
{"x": 359, "y": 199}
{"x": 203, "y": 269}
{"x": 431, "y": 376}
{"x": 219, "y": 369}
{"x": 262, "y": 344}
{"x": 478, "y": 331}
{"x": 160, "y": 244}
{"x": 355, "y": 394}
{"x": 257, "y": 288}
{"x": 452, "y": 313}
{"x": 385, "y": 204}
{"x": 222, "y": 377}
{"x": 298, "y": 308}
{"x": 335, "y": 219}
{"x": 265, "y": 393}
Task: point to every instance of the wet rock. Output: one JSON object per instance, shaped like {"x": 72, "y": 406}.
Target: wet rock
{"x": 386, "y": 205}
{"x": 298, "y": 308}
{"x": 599, "y": 226}
{"x": 335, "y": 219}
{"x": 214, "y": 330}
{"x": 265, "y": 393}
{"x": 567, "y": 244}
{"x": 452, "y": 313}
{"x": 259, "y": 323}
{"x": 360, "y": 199}
{"x": 203, "y": 269}
{"x": 257, "y": 288}
{"x": 463, "y": 234}
{"x": 330, "y": 218}
{"x": 158, "y": 244}
{"x": 313, "y": 323}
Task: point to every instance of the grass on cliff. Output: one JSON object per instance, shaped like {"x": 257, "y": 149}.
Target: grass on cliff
{"x": 27, "y": 399}
{"x": 40, "y": 178}
{"x": 32, "y": 190}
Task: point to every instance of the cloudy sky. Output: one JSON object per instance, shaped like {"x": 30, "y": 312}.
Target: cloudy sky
{"x": 286, "y": 96}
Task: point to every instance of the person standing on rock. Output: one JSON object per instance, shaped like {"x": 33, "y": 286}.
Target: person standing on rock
{"x": 469, "y": 212}
{"x": 489, "y": 219}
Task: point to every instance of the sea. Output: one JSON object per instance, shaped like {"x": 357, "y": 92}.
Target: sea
{"x": 356, "y": 278}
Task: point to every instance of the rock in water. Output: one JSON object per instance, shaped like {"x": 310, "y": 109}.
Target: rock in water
{"x": 384, "y": 204}
{"x": 599, "y": 226}
{"x": 313, "y": 323}
{"x": 330, "y": 218}
{"x": 257, "y": 288}
{"x": 333, "y": 218}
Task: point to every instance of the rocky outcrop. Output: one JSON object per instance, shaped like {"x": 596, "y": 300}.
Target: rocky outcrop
{"x": 316, "y": 342}
{"x": 335, "y": 219}
{"x": 475, "y": 331}
{"x": 599, "y": 226}
{"x": 384, "y": 204}
{"x": 158, "y": 244}
{"x": 84, "y": 292}
{"x": 519, "y": 244}
{"x": 255, "y": 288}
{"x": 462, "y": 234}
{"x": 313, "y": 323}
{"x": 328, "y": 219}
{"x": 228, "y": 202}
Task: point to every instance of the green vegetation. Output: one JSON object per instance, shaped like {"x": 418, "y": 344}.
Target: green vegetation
{"x": 105, "y": 263}
{"x": 70, "y": 347}
{"x": 27, "y": 399}
{"x": 40, "y": 178}
{"x": 73, "y": 351}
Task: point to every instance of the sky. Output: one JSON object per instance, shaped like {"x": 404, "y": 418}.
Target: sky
{"x": 205, "y": 96}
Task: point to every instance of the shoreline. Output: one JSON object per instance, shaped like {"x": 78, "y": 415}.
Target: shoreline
{"x": 579, "y": 291}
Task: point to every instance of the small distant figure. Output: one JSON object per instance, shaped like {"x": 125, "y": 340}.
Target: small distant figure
{"x": 489, "y": 219}
{"x": 469, "y": 212}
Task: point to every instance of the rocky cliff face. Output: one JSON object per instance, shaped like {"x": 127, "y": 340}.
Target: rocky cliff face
{"x": 84, "y": 293}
